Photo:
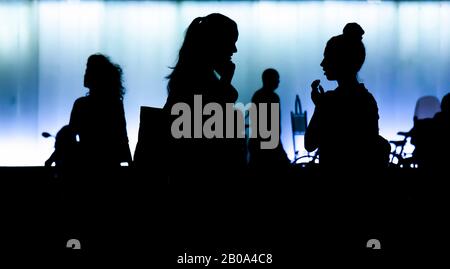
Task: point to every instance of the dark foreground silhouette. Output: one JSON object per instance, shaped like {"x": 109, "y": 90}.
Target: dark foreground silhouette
{"x": 208, "y": 204}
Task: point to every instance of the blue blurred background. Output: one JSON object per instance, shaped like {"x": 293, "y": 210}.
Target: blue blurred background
{"x": 44, "y": 46}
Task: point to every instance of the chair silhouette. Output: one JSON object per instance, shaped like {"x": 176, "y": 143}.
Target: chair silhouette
{"x": 299, "y": 122}
{"x": 152, "y": 146}
{"x": 426, "y": 108}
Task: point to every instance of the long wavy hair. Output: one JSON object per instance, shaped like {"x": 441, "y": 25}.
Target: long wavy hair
{"x": 103, "y": 77}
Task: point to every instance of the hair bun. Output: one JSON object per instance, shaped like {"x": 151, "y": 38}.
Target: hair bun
{"x": 353, "y": 30}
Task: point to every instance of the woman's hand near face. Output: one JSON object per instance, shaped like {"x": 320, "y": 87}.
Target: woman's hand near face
{"x": 317, "y": 92}
{"x": 226, "y": 71}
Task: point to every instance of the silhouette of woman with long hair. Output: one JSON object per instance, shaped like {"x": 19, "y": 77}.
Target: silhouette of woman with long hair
{"x": 99, "y": 118}
{"x": 205, "y": 68}
{"x": 345, "y": 120}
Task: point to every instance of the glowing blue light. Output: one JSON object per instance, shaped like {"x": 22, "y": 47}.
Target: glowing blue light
{"x": 44, "y": 47}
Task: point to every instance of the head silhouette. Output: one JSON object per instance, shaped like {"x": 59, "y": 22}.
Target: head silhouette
{"x": 65, "y": 138}
{"x": 103, "y": 78}
{"x": 209, "y": 43}
{"x": 270, "y": 79}
{"x": 344, "y": 54}
{"x": 445, "y": 104}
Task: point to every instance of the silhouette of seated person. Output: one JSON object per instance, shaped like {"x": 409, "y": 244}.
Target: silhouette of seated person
{"x": 344, "y": 126}
{"x": 431, "y": 139}
{"x": 99, "y": 118}
{"x": 204, "y": 68}
{"x": 65, "y": 156}
{"x": 267, "y": 161}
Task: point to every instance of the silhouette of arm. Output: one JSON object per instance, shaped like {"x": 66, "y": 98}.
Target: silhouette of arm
{"x": 51, "y": 160}
{"x": 374, "y": 116}
{"x": 413, "y": 132}
{"x": 125, "y": 152}
{"x": 226, "y": 91}
{"x": 221, "y": 92}
{"x": 75, "y": 116}
{"x": 226, "y": 72}
{"x": 312, "y": 133}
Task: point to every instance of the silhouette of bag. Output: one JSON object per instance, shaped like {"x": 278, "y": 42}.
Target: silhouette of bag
{"x": 150, "y": 154}
{"x": 298, "y": 118}
{"x": 299, "y": 124}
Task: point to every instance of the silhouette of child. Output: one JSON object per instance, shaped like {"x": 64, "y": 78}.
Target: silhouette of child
{"x": 99, "y": 118}
{"x": 345, "y": 120}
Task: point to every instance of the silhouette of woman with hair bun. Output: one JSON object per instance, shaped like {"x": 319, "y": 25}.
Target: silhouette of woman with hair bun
{"x": 345, "y": 120}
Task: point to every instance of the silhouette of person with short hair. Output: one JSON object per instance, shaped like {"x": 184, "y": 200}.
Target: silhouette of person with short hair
{"x": 345, "y": 120}
{"x": 270, "y": 80}
{"x": 205, "y": 68}
{"x": 99, "y": 117}
{"x": 267, "y": 161}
